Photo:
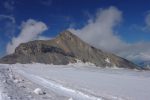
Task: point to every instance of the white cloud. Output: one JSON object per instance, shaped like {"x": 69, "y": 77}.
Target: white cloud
{"x": 30, "y": 30}
{"x": 146, "y": 28}
{"x": 100, "y": 32}
{"x": 12, "y": 19}
{"x": 136, "y": 52}
{"x": 147, "y": 20}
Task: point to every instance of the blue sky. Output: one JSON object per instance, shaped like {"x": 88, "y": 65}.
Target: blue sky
{"x": 59, "y": 15}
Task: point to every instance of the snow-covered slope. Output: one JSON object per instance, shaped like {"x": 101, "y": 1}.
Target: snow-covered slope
{"x": 83, "y": 82}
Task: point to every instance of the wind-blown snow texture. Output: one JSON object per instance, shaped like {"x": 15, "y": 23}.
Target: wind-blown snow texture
{"x": 87, "y": 82}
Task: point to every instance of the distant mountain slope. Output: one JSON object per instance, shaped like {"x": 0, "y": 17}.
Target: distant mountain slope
{"x": 65, "y": 48}
{"x": 145, "y": 64}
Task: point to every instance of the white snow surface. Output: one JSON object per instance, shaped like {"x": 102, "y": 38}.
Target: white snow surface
{"x": 3, "y": 96}
{"x": 0, "y": 95}
{"x": 107, "y": 60}
{"x": 83, "y": 82}
{"x": 38, "y": 91}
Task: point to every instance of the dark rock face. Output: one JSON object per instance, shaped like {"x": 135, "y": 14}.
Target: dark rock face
{"x": 65, "y": 48}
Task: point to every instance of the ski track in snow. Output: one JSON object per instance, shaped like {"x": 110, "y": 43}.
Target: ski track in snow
{"x": 75, "y": 94}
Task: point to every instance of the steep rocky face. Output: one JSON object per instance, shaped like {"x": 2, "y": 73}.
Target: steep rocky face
{"x": 65, "y": 48}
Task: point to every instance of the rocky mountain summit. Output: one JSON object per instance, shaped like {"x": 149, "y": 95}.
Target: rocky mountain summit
{"x": 65, "y": 48}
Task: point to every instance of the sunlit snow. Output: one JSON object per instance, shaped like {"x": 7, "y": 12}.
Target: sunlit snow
{"x": 82, "y": 82}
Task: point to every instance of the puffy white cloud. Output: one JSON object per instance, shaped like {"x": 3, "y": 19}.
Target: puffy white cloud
{"x": 30, "y": 30}
{"x": 100, "y": 32}
{"x": 147, "y": 20}
{"x": 146, "y": 27}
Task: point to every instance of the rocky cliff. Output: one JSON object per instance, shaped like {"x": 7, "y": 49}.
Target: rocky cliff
{"x": 64, "y": 49}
